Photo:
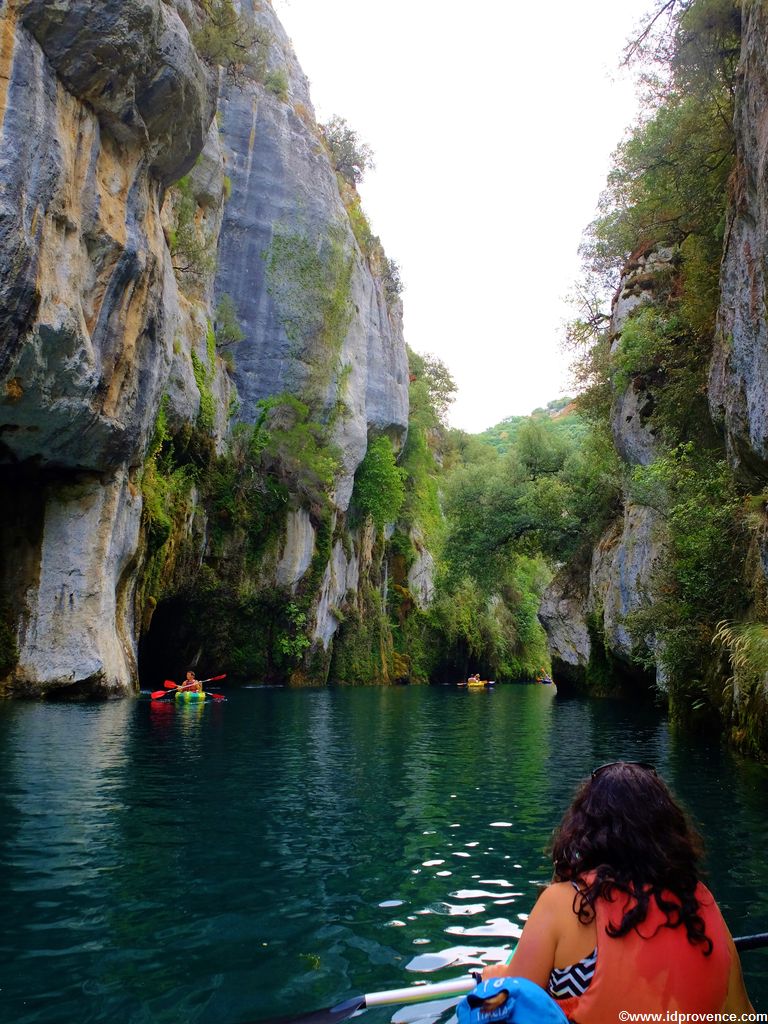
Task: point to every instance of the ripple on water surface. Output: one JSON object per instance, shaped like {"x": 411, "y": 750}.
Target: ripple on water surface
{"x": 248, "y": 859}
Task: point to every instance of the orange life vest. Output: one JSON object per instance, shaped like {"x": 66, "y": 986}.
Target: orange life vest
{"x": 653, "y": 968}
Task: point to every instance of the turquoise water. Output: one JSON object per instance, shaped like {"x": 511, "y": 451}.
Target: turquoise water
{"x": 287, "y": 849}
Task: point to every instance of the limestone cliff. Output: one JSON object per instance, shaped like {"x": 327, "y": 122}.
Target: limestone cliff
{"x": 130, "y": 209}
{"x": 586, "y": 608}
{"x": 737, "y": 385}
{"x": 713, "y": 536}
{"x": 738, "y": 394}
{"x": 290, "y": 261}
{"x": 100, "y": 108}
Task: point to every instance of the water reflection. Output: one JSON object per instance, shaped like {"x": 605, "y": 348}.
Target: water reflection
{"x": 281, "y": 851}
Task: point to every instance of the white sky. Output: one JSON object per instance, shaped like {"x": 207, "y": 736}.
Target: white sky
{"x": 492, "y": 125}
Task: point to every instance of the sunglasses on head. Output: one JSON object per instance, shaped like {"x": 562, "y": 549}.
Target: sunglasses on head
{"x": 638, "y": 764}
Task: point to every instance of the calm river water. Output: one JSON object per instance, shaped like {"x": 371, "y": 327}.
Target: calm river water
{"x": 287, "y": 849}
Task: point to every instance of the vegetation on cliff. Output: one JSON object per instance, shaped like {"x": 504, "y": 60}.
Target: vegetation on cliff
{"x": 519, "y": 499}
{"x": 216, "y": 508}
{"x": 668, "y": 188}
{"x": 309, "y": 279}
{"x": 668, "y": 192}
{"x": 230, "y": 39}
{"x": 471, "y": 508}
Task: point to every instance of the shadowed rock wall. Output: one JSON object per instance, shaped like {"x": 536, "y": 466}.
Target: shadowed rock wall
{"x": 738, "y": 394}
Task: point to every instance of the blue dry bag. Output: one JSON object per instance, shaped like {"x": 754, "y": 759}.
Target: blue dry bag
{"x": 526, "y": 1003}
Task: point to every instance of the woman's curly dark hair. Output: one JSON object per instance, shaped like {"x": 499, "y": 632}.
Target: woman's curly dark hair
{"x": 626, "y": 827}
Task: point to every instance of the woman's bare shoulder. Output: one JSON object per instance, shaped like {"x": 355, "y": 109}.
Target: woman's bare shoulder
{"x": 558, "y": 892}
{"x": 555, "y": 897}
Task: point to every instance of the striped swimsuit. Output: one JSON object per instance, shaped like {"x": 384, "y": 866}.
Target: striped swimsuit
{"x": 572, "y": 980}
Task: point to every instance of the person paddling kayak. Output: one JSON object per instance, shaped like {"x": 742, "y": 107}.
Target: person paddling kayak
{"x": 627, "y": 926}
{"x": 191, "y": 683}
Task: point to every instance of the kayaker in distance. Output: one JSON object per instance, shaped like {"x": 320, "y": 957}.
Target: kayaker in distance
{"x": 190, "y": 683}
{"x": 626, "y": 924}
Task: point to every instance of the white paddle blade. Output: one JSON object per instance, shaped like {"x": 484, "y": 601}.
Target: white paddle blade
{"x": 421, "y": 993}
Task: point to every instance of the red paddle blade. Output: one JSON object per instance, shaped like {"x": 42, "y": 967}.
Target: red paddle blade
{"x": 158, "y": 694}
{"x": 169, "y": 684}
{"x": 213, "y": 679}
{"x": 217, "y": 696}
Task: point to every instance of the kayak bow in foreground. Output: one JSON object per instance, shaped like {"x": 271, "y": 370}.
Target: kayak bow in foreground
{"x": 425, "y": 993}
{"x": 410, "y": 994}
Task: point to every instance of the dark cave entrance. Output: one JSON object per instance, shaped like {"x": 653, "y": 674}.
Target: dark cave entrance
{"x": 171, "y": 646}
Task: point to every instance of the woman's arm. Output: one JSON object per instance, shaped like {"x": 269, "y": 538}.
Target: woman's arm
{"x": 535, "y": 953}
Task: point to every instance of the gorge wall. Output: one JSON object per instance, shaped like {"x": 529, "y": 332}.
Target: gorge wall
{"x": 709, "y": 470}
{"x": 198, "y": 343}
{"x": 586, "y": 607}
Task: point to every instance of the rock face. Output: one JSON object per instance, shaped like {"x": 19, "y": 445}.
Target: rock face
{"x": 341, "y": 579}
{"x": 644, "y": 278}
{"x": 108, "y": 357}
{"x": 83, "y": 297}
{"x": 591, "y": 601}
{"x": 135, "y": 65}
{"x": 737, "y": 393}
{"x": 289, "y": 260}
{"x": 80, "y": 629}
{"x": 421, "y": 573}
{"x": 581, "y": 607}
{"x": 563, "y": 614}
{"x": 89, "y": 113}
{"x": 299, "y": 548}
{"x": 621, "y": 576}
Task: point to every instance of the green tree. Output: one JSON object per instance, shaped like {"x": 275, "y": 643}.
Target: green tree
{"x": 379, "y": 488}
{"x": 231, "y": 40}
{"x": 226, "y": 323}
{"x": 669, "y": 176}
{"x": 350, "y": 157}
{"x": 432, "y": 388}
{"x": 391, "y": 276}
{"x": 702, "y": 579}
{"x": 193, "y": 253}
{"x": 541, "y": 449}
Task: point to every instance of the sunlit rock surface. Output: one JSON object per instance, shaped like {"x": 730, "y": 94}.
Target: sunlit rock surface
{"x": 132, "y": 61}
{"x": 102, "y": 108}
{"x": 284, "y": 194}
{"x": 298, "y": 550}
{"x": 562, "y": 613}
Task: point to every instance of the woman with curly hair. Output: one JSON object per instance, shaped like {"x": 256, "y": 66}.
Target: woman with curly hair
{"x": 627, "y": 923}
